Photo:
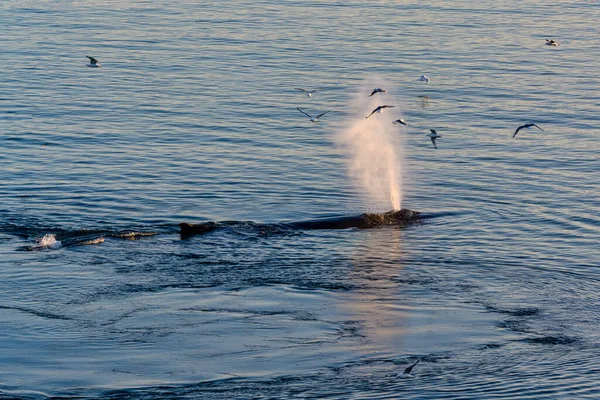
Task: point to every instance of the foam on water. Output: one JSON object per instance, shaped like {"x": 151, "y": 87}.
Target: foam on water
{"x": 48, "y": 241}
{"x": 374, "y": 148}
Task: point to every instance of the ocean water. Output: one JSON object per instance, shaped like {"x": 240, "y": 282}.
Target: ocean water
{"x": 192, "y": 117}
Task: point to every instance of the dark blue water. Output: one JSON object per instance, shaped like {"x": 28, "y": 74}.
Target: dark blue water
{"x": 192, "y": 117}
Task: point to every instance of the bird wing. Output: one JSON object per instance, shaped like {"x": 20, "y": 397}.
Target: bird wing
{"x": 372, "y": 93}
{"x": 300, "y": 89}
{"x": 389, "y": 106}
{"x": 299, "y": 109}
{"x": 433, "y": 131}
{"x": 409, "y": 369}
{"x": 320, "y": 115}
{"x": 537, "y": 127}
{"x": 433, "y": 141}
{"x": 92, "y": 60}
{"x": 518, "y": 129}
{"x": 373, "y": 112}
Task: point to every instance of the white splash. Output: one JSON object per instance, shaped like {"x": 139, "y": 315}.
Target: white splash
{"x": 48, "y": 242}
{"x": 374, "y": 149}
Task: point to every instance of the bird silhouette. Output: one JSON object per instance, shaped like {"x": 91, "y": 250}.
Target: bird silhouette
{"x": 526, "y": 126}
{"x": 313, "y": 119}
{"x": 379, "y": 110}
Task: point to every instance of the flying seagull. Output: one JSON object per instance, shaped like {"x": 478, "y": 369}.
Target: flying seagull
{"x": 308, "y": 92}
{"x": 433, "y": 135}
{"x": 379, "y": 110}
{"x": 551, "y": 42}
{"x": 93, "y": 62}
{"x": 400, "y": 121}
{"x": 377, "y": 90}
{"x": 424, "y": 78}
{"x": 315, "y": 119}
{"x": 528, "y": 126}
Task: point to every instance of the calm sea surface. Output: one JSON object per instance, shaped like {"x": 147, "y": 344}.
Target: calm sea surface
{"x": 192, "y": 117}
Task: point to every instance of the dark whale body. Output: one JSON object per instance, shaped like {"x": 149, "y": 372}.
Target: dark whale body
{"x": 362, "y": 221}
{"x": 401, "y": 217}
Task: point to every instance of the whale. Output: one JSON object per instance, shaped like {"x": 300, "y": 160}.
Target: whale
{"x": 402, "y": 218}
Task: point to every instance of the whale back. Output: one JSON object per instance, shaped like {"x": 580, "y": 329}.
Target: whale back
{"x": 188, "y": 229}
{"x": 393, "y": 217}
{"x": 401, "y": 217}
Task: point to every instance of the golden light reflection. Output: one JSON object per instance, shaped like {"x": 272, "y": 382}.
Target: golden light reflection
{"x": 376, "y": 263}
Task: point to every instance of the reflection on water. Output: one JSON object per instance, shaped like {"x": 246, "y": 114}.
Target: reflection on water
{"x": 424, "y": 101}
{"x": 389, "y": 310}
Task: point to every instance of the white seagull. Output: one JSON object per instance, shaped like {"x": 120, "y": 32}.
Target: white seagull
{"x": 377, "y": 90}
{"x": 424, "y": 78}
{"x": 528, "y": 126}
{"x": 93, "y": 62}
{"x": 315, "y": 119}
{"x": 400, "y": 121}
{"x": 379, "y": 110}
{"x": 551, "y": 42}
{"x": 433, "y": 135}
{"x": 308, "y": 92}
